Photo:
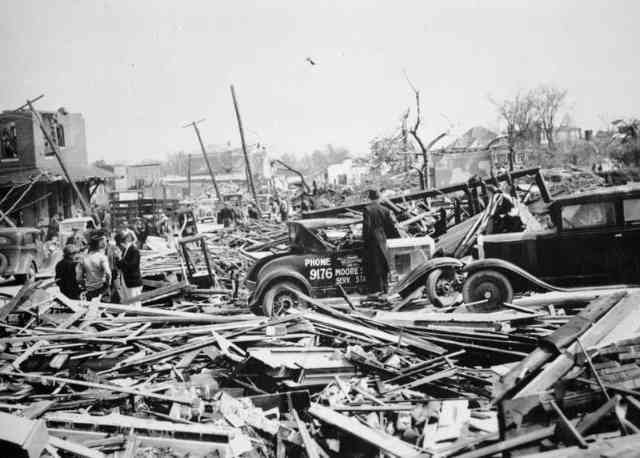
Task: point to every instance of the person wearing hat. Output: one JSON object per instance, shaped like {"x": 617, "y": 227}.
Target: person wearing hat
{"x": 94, "y": 272}
{"x": 377, "y": 225}
{"x": 66, "y": 273}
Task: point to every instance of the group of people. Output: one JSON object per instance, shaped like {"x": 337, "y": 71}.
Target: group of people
{"x": 107, "y": 269}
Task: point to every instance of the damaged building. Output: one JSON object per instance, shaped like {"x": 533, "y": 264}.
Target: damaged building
{"x": 31, "y": 180}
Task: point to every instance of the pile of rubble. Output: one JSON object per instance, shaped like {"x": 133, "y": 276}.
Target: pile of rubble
{"x": 190, "y": 373}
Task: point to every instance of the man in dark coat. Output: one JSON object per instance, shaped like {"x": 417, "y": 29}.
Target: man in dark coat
{"x": 377, "y": 225}
{"x": 66, "y": 273}
{"x": 129, "y": 265}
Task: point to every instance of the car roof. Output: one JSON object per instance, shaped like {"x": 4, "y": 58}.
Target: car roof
{"x": 596, "y": 195}
{"x": 318, "y": 223}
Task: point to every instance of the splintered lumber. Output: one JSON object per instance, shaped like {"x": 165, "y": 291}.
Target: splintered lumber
{"x": 100, "y": 386}
{"x": 351, "y": 326}
{"x": 21, "y": 436}
{"x": 424, "y": 380}
{"x": 380, "y": 439}
{"x": 511, "y": 443}
{"x": 75, "y": 448}
{"x": 146, "y": 425}
{"x": 309, "y": 445}
{"x": 624, "y": 306}
{"x": 22, "y": 294}
{"x": 552, "y": 344}
{"x": 158, "y": 293}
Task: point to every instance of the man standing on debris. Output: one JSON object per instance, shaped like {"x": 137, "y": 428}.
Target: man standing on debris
{"x": 129, "y": 265}
{"x": 66, "y": 273}
{"x": 377, "y": 225}
{"x": 226, "y": 216}
{"x": 94, "y": 272}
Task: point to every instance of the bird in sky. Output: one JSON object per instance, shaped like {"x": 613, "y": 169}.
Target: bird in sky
{"x": 308, "y": 59}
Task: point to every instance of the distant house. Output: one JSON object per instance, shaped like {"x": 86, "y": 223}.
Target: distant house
{"x": 28, "y": 165}
{"x": 478, "y": 151}
{"x": 350, "y": 172}
{"x": 567, "y": 134}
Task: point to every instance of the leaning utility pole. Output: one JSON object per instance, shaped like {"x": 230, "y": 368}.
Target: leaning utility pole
{"x": 189, "y": 175}
{"x": 206, "y": 158}
{"x": 252, "y": 188}
{"x": 54, "y": 146}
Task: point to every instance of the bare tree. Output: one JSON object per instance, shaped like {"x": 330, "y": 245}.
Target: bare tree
{"x": 548, "y": 100}
{"x": 425, "y": 179}
{"x": 519, "y": 114}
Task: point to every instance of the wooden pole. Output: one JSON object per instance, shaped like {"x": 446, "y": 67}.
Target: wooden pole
{"x": 54, "y": 146}
{"x": 252, "y": 188}
{"x": 189, "y": 175}
{"x": 206, "y": 158}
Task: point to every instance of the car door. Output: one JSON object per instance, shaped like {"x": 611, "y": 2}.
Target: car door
{"x": 629, "y": 240}
{"x": 349, "y": 271}
{"x": 585, "y": 250}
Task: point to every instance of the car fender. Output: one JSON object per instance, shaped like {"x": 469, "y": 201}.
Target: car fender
{"x": 418, "y": 276}
{"x": 277, "y": 275}
{"x": 24, "y": 261}
{"x": 512, "y": 271}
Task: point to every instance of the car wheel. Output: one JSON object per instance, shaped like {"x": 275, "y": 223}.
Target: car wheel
{"x": 29, "y": 276}
{"x": 278, "y": 298}
{"x": 489, "y": 285}
{"x": 441, "y": 287}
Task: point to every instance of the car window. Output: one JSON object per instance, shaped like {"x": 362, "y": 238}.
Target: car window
{"x": 631, "y": 209}
{"x": 588, "y": 215}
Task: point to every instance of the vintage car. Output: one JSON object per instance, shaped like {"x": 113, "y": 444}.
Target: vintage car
{"x": 594, "y": 241}
{"x": 324, "y": 259}
{"x": 22, "y": 253}
{"x": 83, "y": 223}
{"x": 322, "y": 255}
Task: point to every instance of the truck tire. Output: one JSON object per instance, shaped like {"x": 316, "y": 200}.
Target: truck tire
{"x": 279, "y": 298}
{"x": 440, "y": 286}
{"x": 491, "y": 285}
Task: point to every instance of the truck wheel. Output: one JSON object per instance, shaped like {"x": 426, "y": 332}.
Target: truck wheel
{"x": 441, "y": 287}
{"x": 278, "y": 298}
{"x": 491, "y": 285}
{"x": 29, "y": 276}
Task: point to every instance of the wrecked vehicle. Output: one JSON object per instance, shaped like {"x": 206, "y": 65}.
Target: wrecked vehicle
{"x": 324, "y": 259}
{"x": 594, "y": 241}
{"x": 22, "y": 253}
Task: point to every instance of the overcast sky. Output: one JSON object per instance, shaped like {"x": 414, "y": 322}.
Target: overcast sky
{"x": 139, "y": 70}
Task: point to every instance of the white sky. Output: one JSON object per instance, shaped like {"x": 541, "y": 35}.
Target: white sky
{"x": 138, "y": 70}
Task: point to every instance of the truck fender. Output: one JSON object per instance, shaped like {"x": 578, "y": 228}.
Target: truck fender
{"x": 278, "y": 275}
{"x": 418, "y": 276}
{"x": 512, "y": 272}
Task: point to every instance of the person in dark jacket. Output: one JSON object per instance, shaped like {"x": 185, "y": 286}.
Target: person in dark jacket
{"x": 66, "y": 273}
{"x": 226, "y": 216}
{"x": 377, "y": 225}
{"x": 129, "y": 265}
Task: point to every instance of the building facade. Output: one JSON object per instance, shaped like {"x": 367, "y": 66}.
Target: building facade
{"x": 32, "y": 182}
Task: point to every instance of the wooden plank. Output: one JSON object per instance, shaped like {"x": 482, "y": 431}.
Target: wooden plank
{"x": 309, "y": 445}
{"x": 75, "y": 448}
{"x": 100, "y": 386}
{"x": 424, "y": 380}
{"x": 380, "y": 439}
